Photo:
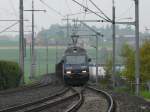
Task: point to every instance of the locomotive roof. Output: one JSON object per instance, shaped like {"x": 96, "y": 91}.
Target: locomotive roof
{"x": 74, "y": 50}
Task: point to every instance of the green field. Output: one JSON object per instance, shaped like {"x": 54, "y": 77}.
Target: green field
{"x": 12, "y": 54}
{"x": 8, "y": 43}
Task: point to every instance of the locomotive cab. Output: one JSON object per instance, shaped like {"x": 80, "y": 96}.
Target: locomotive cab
{"x": 75, "y": 67}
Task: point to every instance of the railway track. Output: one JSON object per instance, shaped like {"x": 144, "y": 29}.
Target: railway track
{"x": 28, "y": 107}
{"x": 47, "y": 102}
{"x": 78, "y": 104}
{"x": 111, "y": 104}
{"x": 69, "y": 99}
{"x": 109, "y": 100}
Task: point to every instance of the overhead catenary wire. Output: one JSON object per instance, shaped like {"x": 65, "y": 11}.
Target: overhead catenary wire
{"x": 93, "y": 30}
{"x": 13, "y": 8}
{"x": 79, "y": 13}
{"x": 85, "y": 10}
{"x": 14, "y": 24}
{"x": 126, "y": 11}
{"x": 100, "y": 10}
{"x": 68, "y": 6}
{"x": 82, "y": 7}
{"x": 51, "y": 8}
{"x": 91, "y": 11}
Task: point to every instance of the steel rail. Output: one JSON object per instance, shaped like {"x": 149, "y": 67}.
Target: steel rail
{"x": 111, "y": 107}
{"x": 77, "y": 105}
{"x": 26, "y": 105}
{"x": 46, "y": 105}
{"x": 24, "y": 88}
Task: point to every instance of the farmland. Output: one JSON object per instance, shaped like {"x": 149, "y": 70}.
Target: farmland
{"x": 11, "y": 53}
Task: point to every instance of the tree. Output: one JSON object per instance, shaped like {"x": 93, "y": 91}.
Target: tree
{"x": 129, "y": 62}
{"x": 128, "y": 55}
{"x": 145, "y": 61}
{"x": 108, "y": 67}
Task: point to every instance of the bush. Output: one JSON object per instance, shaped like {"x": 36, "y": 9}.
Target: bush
{"x": 146, "y": 94}
{"x": 9, "y": 75}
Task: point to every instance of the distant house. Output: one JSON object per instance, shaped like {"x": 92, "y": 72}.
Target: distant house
{"x": 92, "y": 70}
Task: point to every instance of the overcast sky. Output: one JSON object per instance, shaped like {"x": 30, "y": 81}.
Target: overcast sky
{"x": 60, "y": 8}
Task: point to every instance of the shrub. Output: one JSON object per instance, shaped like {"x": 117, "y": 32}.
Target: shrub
{"x": 9, "y": 74}
{"x": 146, "y": 94}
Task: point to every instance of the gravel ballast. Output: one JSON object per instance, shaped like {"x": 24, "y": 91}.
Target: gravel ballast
{"x": 93, "y": 102}
{"x": 21, "y": 97}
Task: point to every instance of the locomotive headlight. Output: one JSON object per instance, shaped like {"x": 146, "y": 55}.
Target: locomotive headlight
{"x": 68, "y": 72}
{"x": 84, "y": 71}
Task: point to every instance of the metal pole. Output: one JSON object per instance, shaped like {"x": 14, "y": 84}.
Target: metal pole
{"x": 25, "y": 43}
{"x": 96, "y": 60}
{"x": 114, "y": 44}
{"x": 56, "y": 52}
{"x": 33, "y": 54}
{"x": 137, "y": 56}
{"x": 32, "y": 28}
{"x": 32, "y": 45}
{"x": 47, "y": 56}
{"x": 67, "y": 26}
{"x": 39, "y": 63}
{"x": 21, "y": 41}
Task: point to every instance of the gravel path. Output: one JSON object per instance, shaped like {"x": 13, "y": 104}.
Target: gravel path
{"x": 93, "y": 102}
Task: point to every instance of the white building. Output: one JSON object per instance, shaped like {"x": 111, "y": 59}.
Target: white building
{"x": 92, "y": 71}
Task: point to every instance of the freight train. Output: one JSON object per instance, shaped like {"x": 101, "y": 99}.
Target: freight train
{"x": 74, "y": 66}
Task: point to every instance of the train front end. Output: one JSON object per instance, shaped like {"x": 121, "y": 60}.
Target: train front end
{"x": 76, "y": 69}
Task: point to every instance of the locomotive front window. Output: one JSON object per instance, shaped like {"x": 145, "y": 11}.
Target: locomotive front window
{"x": 75, "y": 60}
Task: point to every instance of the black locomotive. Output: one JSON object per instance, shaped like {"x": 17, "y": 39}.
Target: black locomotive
{"x": 73, "y": 68}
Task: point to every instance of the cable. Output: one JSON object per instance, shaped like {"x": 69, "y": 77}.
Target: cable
{"x": 68, "y": 6}
{"x": 86, "y": 10}
{"x": 78, "y": 13}
{"x": 100, "y": 10}
{"x": 125, "y": 11}
{"x": 9, "y": 27}
{"x": 54, "y": 10}
{"x": 81, "y": 9}
{"x": 12, "y": 5}
{"x": 92, "y": 11}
